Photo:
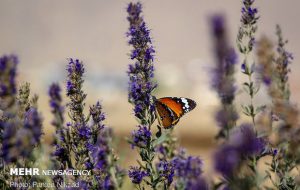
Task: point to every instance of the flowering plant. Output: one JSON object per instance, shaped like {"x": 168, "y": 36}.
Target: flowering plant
{"x": 257, "y": 146}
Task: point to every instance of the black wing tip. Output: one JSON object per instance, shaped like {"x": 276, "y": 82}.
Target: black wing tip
{"x": 192, "y": 103}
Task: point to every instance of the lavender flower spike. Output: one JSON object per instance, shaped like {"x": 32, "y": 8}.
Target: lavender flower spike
{"x": 245, "y": 43}
{"x": 21, "y": 142}
{"x": 57, "y": 109}
{"x": 141, "y": 72}
{"x": 188, "y": 172}
{"x": 8, "y": 71}
{"x": 141, "y": 85}
{"x": 79, "y": 130}
{"x": 8, "y": 66}
{"x": 90, "y": 140}
{"x": 62, "y": 136}
{"x": 223, "y": 81}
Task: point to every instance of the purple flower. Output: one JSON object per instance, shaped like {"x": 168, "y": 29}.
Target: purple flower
{"x": 57, "y": 109}
{"x": 55, "y": 97}
{"x": 61, "y": 141}
{"x": 136, "y": 175}
{"x": 246, "y": 141}
{"x": 242, "y": 144}
{"x": 98, "y": 116}
{"x": 197, "y": 184}
{"x": 248, "y": 27}
{"x": 223, "y": 116}
{"x": 188, "y": 170}
{"x": 223, "y": 81}
{"x": 166, "y": 170}
{"x": 108, "y": 183}
{"x": 101, "y": 150}
{"x": 76, "y": 105}
{"x": 9, "y": 151}
{"x": 249, "y": 14}
{"x": 33, "y": 122}
{"x": 134, "y": 10}
{"x": 8, "y": 71}
{"x": 227, "y": 159}
{"x": 189, "y": 167}
{"x": 283, "y": 60}
{"x": 19, "y": 139}
{"x": 84, "y": 132}
{"x": 141, "y": 137}
{"x": 100, "y": 155}
{"x": 226, "y": 58}
{"x": 141, "y": 72}
{"x": 61, "y": 153}
{"x": 90, "y": 139}
{"x": 75, "y": 72}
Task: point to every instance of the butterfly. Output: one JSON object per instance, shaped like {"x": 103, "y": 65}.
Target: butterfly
{"x": 170, "y": 109}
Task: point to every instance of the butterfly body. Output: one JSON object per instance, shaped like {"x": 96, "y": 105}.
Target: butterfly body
{"x": 169, "y": 110}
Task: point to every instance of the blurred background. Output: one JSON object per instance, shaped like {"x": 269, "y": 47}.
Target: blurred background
{"x": 45, "y": 33}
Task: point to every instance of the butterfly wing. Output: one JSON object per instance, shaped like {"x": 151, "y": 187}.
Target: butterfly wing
{"x": 179, "y": 105}
{"x": 170, "y": 109}
{"x": 166, "y": 117}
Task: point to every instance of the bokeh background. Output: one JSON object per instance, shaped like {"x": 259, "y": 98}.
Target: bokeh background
{"x": 45, "y": 33}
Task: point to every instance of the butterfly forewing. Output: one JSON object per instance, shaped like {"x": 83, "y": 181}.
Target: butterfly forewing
{"x": 179, "y": 105}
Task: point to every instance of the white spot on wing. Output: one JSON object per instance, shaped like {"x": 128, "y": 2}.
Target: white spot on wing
{"x": 186, "y": 104}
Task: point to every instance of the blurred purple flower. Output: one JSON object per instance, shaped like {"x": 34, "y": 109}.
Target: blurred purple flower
{"x": 223, "y": 116}
{"x": 9, "y": 151}
{"x": 61, "y": 141}
{"x": 8, "y": 71}
{"x": 226, "y": 59}
{"x": 55, "y": 97}
{"x": 198, "y": 184}
{"x": 20, "y": 142}
{"x": 223, "y": 81}
{"x": 246, "y": 141}
{"x": 242, "y": 144}
{"x": 61, "y": 153}
{"x": 226, "y": 160}
{"x": 33, "y": 122}
{"x": 283, "y": 60}
{"x": 101, "y": 150}
{"x": 190, "y": 167}
{"x": 107, "y": 185}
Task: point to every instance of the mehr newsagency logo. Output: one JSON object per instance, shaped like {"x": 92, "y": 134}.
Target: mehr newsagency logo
{"x": 37, "y": 171}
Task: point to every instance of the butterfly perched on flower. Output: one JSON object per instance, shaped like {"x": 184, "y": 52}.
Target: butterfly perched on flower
{"x": 170, "y": 109}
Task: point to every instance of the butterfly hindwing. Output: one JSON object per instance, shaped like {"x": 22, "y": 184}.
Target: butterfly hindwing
{"x": 170, "y": 109}
{"x": 166, "y": 117}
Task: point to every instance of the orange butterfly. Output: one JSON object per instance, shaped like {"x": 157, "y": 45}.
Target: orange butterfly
{"x": 170, "y": 109}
